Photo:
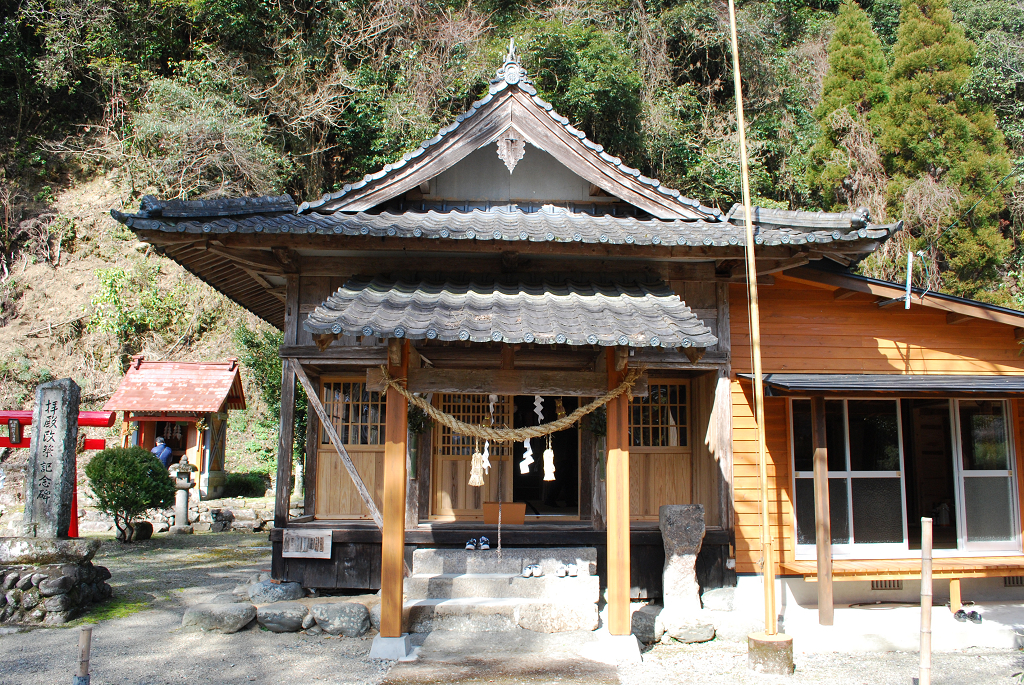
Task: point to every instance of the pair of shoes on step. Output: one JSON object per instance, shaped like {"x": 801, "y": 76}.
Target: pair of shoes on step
{"x": 482, "y": 543}
{"x": 972, "y": 616}
{"x": 564, "y": 570}
{"x": 532, "y": 571}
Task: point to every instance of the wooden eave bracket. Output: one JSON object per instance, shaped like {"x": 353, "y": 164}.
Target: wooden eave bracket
{"x": 694, "y": 354}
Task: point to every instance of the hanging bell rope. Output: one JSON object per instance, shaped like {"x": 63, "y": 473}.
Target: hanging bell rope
{"x": 511, "y": 434}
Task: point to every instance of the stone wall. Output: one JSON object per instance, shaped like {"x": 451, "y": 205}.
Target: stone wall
{"x": 50, "y": 594}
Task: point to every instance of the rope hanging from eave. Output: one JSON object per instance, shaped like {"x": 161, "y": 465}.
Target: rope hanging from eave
{"x": 511, "y": 434}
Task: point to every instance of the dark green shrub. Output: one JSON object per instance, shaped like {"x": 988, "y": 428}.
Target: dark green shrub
{"x": 127, "y": 482}
{"x": 246, "y": 485}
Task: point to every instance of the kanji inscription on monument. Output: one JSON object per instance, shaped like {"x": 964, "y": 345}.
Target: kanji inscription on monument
{"x": 50, "y": 476}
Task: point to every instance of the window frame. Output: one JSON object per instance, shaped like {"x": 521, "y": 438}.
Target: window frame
{"x": 859, "y": 550}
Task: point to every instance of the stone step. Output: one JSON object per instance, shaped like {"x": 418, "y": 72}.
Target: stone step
{"x": 500, "y": 586}
{"x": 513, "y": 560}
{"x": 487, "y": 615}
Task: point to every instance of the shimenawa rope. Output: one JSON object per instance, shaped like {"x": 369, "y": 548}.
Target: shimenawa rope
{"x": 511, "y": 434}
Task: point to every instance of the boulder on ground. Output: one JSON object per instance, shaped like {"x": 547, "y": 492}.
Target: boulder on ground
{"x": 687, "y": 627}
{"x": 646, "y": 625}
{"x": 228, "y": 598}
{"x": 41, "y": 551}
{"x": 350, "y": 619}
{"x": 268, "y": 592}
{"x": 219, "y": 618}
{"x": 282, "y": 617}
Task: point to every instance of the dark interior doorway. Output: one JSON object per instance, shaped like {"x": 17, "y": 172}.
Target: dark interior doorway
{"x": 930, "y": 474}
{"x": 559, "y": 497}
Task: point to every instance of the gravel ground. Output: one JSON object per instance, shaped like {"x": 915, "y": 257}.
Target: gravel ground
{"x": 721, "y": 662}
{"x": 159, "y": 578}
{"x": 138, "y": 639}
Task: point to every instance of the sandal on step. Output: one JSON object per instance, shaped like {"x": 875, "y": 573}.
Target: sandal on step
{"x": 484, "y": 543}
{"x": 471, "y": 544}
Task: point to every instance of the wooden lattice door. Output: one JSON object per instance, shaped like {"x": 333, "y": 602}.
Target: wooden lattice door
{"x": 358, "y": 415}
{"x": 660, "y": 467}
{"x": 451, "y": 495}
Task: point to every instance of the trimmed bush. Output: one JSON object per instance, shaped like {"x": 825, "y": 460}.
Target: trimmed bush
{"x": 246, "y": 485}
{"x": 127, "y": 482}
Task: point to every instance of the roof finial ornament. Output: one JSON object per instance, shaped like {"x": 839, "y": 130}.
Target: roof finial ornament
{"x": 512, "y": 57}
{"x": 512, "y": 71}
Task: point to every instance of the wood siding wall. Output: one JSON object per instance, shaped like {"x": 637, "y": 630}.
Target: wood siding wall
{"x": 804, "y": 329}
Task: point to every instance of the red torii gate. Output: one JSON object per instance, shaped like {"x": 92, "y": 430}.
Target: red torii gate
{"x": 17, "y": 419}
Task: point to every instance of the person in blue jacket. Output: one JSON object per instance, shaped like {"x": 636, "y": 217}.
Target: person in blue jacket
{"x": 162, "y": 452}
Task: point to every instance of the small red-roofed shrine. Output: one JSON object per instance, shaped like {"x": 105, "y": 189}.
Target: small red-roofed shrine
{"x": 185, "y": 403}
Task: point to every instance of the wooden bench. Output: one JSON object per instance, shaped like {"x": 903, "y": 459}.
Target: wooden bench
{"x": 952, "y": 568}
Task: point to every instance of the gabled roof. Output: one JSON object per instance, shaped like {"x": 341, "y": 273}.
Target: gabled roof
{"x": 547, "y": 224}
{"x": 196, "y": 387}
{"x": 512, "y": 102}
{"x": 551, "y": 311}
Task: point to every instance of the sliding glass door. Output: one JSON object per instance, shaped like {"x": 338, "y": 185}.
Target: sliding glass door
{"x": 987, "y": 493}
{"x": 891, "y": 462}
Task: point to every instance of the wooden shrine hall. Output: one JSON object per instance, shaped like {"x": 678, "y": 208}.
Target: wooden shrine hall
{"x": 508, "y": 272}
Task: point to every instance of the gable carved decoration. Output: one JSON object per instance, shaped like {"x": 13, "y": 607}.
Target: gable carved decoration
{"x": 511, "y": 148}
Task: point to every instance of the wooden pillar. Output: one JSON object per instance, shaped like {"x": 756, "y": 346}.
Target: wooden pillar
{"x": 285, "y": 441}
{"x": 126, "y": 431}
{"x": 617, "y": 484}
{"x": 396, "y": 428}
{"x": 309, "y": 463}
{"x": 147, "y": 434}
{"x": 955, "y": 603}
{"x": 822, "y": 520}
{"x": 286, "y": 432}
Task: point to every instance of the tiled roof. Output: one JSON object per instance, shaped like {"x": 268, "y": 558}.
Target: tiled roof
{"x": 512, "y": 75}
{"x": 548, "y": 225}
{"x": 151, "y": 207}
{"x": 198, "y": 387}
{"x": 639, "y": 314}
{"x": 787, "y": 218}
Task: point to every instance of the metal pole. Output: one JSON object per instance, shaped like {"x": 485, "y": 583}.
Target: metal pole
{"x": 925, "y": 674}
{"x": 84, "y": 648}
{"x": 767, "y": 540}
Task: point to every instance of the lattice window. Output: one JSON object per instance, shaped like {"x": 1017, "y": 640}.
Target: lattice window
{"x": 659, "y": 420}
{"x": 473, "y": 409}
{"x": 357, "y": 414}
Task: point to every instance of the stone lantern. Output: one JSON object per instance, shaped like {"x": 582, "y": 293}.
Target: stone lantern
{"x": 182, "y": 473}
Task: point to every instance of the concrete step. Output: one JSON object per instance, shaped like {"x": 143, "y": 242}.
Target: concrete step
{"x": 489, "y": 615}
{"x": 513, "y": 560}
{"x": 501, "y": 586}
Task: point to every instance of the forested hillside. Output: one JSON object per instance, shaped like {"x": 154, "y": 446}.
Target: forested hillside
{"x": 915, "y": 111}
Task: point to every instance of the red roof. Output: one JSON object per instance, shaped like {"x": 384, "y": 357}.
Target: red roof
{"x": 199, "y": 387}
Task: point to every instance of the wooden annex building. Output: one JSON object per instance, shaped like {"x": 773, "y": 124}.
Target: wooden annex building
{"x": 511, "y": 256}
{"x": 185, "y": 403}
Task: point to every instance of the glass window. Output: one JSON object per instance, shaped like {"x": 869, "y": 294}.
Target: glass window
{"x": 877, "y": 509}
{"x": 983, "y": 435}
{"x": 835, "y": 432}
{"x": 874, "y": 435}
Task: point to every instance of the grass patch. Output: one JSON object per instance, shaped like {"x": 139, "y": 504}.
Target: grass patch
{"x": 118, "y": 607}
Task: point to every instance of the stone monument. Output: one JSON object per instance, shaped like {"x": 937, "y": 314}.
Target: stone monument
{"x": 50, "y": 474}
{"x": 682, "y": 618}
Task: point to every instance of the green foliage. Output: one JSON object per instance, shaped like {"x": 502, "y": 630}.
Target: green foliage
{"x": 127, "y": 482}
{"x": 854, "y": 87}
{"x": 130, "y": 305}
{"x": 246, "y": 485}
{"x": 258, "y": 352}
{"x": 931, "y": 129}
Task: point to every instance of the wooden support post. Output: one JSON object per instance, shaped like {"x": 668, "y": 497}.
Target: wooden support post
{"x": 617, "y": 503}
{"x": 822, "y": 520}
{"x": 925, "y": 673}
{"x": 955, "y": 604}
{"x": 312, "y": 447}
{"x": 395, "y": 482}
{"x": 285, "y": 441}
{"x": 84, "y": 653}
